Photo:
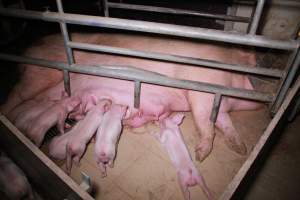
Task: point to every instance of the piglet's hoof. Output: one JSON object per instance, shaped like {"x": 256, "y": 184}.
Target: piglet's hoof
{"x": 236, "y": 145}
{"x": 203, "y": 150}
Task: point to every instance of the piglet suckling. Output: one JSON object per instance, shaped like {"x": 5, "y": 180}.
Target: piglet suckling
{"x": 171, "y": 139}
{"x": 108, "y": 135}
{"x": 56, "y": 114}
{"x": 72, "y": 144}
{"x": 84, "y": 131}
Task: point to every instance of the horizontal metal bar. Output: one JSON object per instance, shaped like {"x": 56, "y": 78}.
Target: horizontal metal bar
{"x": 152, "y": 27}
{"x": 177, "y": 12}
{"x": 178, "y": 59}
{"x": 287, "y": 3}
{"x": 143, "y": 76}
{"x": 241, "y": 2}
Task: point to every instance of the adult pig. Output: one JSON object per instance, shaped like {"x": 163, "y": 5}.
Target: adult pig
{"x": 156, "y": 102}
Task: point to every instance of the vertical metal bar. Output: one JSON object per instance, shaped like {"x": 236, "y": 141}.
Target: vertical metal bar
{"x": 216, "y": 107}
{"x": 105, "y": 8}
{"x": 251, "y": 19}
{"x": 294, "y": 62}
{"x": 70, "y": 57}
{"x": 256, "y": 17}
{"x": 137, "y": 93}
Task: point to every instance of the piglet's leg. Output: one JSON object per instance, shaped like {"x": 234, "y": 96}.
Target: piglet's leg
{"x": 201, "y": 182}
{"x": 183, "y": 187}
{"x": 232, "y": 138}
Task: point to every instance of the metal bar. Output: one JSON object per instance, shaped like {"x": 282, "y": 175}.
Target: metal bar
{"x": 216, "y": 107}
{"x": 257, "y": 150}
{"x": 137, "y": 93}
{"x": 287, "y": 3}
{"x": 177, "y": 12}
{"x": 178, "y": 59}
{"x": 134, "y": 74}
{"x": 257, "y": 16}
{"x": 241, "y": 2}
{"x": 251, "y": 19}
{"x": 294, "y": 63}
{"x": 64, "y": 31}
{"x": 296, "y": 108}
{"x": 105, "y": 8}
{"x": 151, "y": 27}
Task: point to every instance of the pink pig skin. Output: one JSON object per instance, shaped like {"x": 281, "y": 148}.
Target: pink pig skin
{"x": 73, "y": 143}
{"x": 108, "y": 135}
{"x": 156, "y": 101}
{"x": 55, "y": 115}
{"x": 83, "y": 133}
{"x": 13, "y": 182}
{"x": 171, "y": 139}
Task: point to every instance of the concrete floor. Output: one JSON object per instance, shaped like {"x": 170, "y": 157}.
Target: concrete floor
{"x": 143, "y": 170}
{"x": 279, "y": 178}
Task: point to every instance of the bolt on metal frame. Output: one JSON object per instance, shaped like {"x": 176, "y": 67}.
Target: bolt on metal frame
{"x": 142, "y": 76}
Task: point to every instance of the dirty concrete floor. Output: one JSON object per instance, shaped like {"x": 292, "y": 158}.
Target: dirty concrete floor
{"x": 279, "y": 177}
{"x": 144, "y": 171}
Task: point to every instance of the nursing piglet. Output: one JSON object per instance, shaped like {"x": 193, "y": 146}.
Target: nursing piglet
{"x": 72, "y": 144}
{"x": 171, "y": 139}
{"x": 84, "y": 132}
{"x": 108, "y": 136}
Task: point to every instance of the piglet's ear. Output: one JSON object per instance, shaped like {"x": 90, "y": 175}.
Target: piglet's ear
{"x": 177, "y": 119}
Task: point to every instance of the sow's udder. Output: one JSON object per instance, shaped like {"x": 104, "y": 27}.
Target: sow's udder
{"x": 38, "y": 102}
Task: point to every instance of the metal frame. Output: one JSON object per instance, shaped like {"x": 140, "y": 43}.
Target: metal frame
{"x": 141, "y": 76}
{"x": 252, "y": 21}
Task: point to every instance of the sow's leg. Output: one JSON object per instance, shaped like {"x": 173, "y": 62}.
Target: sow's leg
{"x": 201, "y": 106}
{"x": 231, "y": 136}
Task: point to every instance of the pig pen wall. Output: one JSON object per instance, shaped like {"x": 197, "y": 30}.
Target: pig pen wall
{"x": 142, "y": 168}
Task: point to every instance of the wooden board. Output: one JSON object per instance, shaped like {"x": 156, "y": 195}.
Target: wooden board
{"x": 44, "y": 174}
{"x": 238, "y": 178}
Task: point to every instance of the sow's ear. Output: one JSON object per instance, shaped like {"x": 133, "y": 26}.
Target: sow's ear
{"x": 177, "y": 119}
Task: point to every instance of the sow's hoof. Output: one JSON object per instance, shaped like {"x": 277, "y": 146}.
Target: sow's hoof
{"x": 236, "y": 145}
{"x": 202, "y": 150}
